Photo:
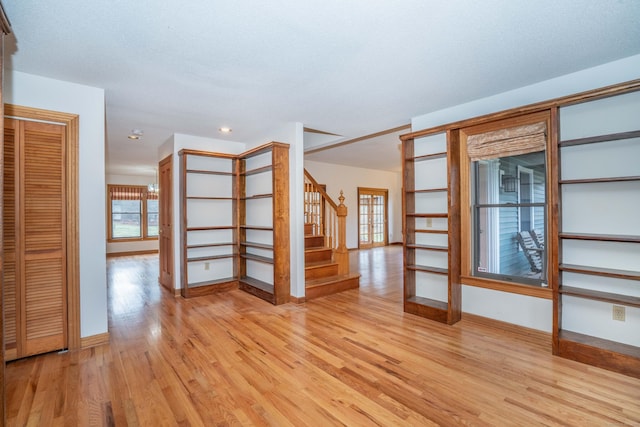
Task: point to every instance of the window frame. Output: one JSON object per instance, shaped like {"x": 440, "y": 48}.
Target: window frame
{"x": 532, "y": 219}
{"x": 467, "y": 226}
{"x": 494, "y": 206}
{"x": 144, "y": 214}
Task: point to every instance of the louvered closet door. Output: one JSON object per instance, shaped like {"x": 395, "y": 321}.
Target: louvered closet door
{"x": 9, "y": 236}
{"x": 40, "y": 248}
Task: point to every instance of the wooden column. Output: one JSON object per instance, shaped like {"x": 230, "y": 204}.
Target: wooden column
{"x": 342, "y": 254}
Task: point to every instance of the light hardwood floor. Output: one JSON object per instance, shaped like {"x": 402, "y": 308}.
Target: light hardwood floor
{"x": 348, "y": 359}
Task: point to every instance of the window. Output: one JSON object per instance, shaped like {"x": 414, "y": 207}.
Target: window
{"x": 506, "y": 206}
{"x": 507, "y": 220}
{"x": 133, "y": 213}
{"x": 152, "y": 214}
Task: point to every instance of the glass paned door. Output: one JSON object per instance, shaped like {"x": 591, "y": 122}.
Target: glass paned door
{"x": 372, "y": 217}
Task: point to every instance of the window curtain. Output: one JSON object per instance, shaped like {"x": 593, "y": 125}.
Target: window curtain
{"x": 507, "y": 142}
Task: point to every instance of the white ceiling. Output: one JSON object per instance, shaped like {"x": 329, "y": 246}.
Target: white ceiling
{"x": 351, "y": 68}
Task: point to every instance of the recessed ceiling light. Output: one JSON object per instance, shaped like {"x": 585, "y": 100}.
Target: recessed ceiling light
{"x": 136, "y": 134}
{"x": 225, "y": 130}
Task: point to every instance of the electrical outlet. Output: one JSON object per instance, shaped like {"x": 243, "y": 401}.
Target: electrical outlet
{"x": 618, "y": 313}
{"x": 206, "y": 265}
{"x": 429, "y": 222}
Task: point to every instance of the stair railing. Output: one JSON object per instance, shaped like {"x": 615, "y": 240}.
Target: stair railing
{"x": 328, "y": 219}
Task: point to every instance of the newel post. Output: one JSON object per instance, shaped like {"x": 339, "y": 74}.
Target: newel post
{"x": 342, "y": 254}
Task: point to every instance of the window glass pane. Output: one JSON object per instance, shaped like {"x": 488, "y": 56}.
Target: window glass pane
{"x": 125, "y": 219}
{"x": 510, "y": 218}
{"x": 152, "y": 218}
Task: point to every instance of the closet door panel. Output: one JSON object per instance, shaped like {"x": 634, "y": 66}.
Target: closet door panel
{"x": 43, "y": 237}
{"x": 9, "y": 234}
{"x": 44, "y": 312}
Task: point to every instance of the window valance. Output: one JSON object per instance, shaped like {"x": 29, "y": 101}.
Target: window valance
{"x": 126, "y": 192}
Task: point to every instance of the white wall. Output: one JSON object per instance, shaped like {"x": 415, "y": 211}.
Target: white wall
{"x": 348, "y": 179}
{"x": 141, "y": 245}
{"x": 518, "y": 309}
{"x": 88, "y": 102}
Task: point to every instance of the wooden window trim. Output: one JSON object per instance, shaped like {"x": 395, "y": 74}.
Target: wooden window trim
{"x": 466, "y": 221}
{"x": 143, "y": 216}
{"x": 71, "y": 123}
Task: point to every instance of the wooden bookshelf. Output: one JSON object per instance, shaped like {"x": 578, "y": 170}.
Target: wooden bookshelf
{"x": 420, "y": 190}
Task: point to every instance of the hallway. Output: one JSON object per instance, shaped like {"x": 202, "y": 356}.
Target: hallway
{"x": 347, "y": 359}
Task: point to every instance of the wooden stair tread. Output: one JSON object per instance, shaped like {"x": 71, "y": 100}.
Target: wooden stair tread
{"x": 318, "y": 249}
{"x": 331, "y": 279}
{"x": 319, "y": 264}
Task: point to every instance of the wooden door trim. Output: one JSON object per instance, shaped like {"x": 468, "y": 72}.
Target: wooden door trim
{"x": 71, "y": 123}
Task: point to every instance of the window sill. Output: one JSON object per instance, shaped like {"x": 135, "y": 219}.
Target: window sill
{"x": 514, "y": 288}
{"x": 131, "y": 239}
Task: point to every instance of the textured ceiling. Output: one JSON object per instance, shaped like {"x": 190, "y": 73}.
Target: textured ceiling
{"x": 351, "y": 68}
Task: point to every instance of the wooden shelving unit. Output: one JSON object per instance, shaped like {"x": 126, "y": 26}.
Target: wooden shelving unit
{"x": 431, "y": 223}
{"x": 207, "y": 185}
{"x": 263, "y": 219}
{"x": 588, "y": 269}
{"x": 235, "y": 222}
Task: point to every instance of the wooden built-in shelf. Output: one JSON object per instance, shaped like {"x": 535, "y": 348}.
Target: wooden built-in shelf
{"x": 213, "y": 282}
{"x": 597, "y": 271}
{"x": 209, "y": 257}
{"x": 259, "y": 284}
{"x": 209, "y": 245}
{"x": 209, "y": 172}
{"x": 615, "y": 356}
{"x": 210, "y": 287}
{"x": 428, "y": 190}
{"x": 256, "y": 227}
{"x": 417, "y": 183}
{"x": 211, "y": 228}
{"x": 617, "y": 347}
{"x": 428, "y": 215}
{"x": 427, "y": 269}
{"x": 208, "y": 198}
{"x": 255, "y": 171}
{"x": 277, "y": 227}
{"x": 620, "y": 238}
{"x": 604, "y": 353}
{"x": 262, "y": 290}
{"x": 427, "y": 157}
{"x": 257, "y": 258}
{"x": 243, "y": 190}
{"x": 627, "y": 300}
{"x": 426, "y": 307}
{"x": 429, "y": 230}
{"x": 600, "y": 180}
{"x": 258, "y": 196}
{"x": 427, "y": 247}
{"x": 257, "y": 245}
{"x": 600, "y": 138}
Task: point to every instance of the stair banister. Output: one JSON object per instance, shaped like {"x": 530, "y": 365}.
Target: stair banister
{"x": 341, "y": 253}
{"x": 330, "y": 221}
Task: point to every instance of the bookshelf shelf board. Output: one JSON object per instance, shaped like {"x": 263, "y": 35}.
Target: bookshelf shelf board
{"x": 597, "y": 271}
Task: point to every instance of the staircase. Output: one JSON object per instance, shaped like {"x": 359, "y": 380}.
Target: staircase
{"x": 326, "y": 256}
{"x": 322, "y": 275}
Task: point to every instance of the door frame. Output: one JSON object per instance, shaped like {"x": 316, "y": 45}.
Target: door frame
{"x": 71, "y": 123}
{"x": 375, "y": 191}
